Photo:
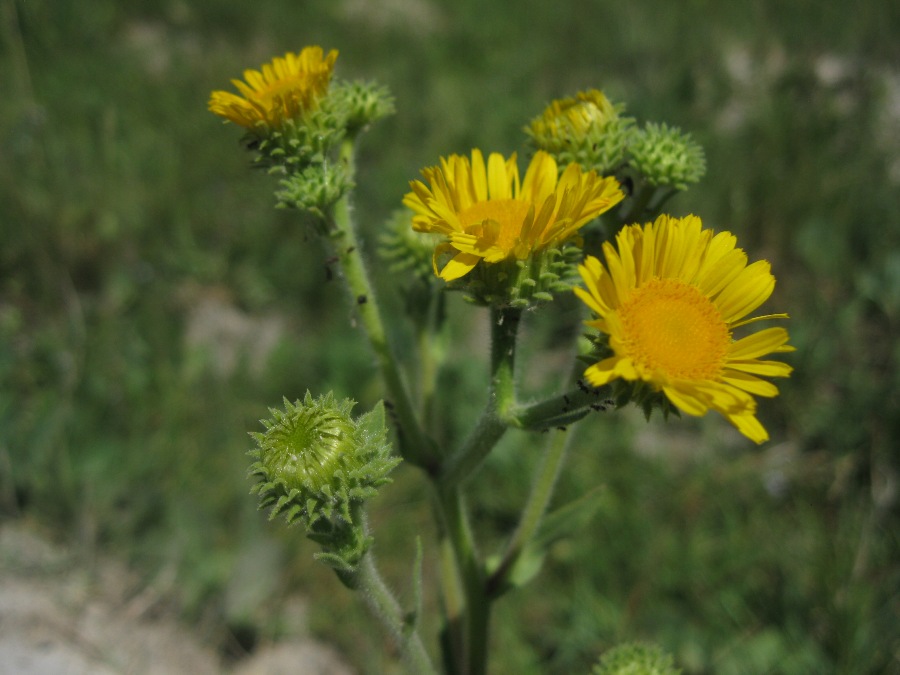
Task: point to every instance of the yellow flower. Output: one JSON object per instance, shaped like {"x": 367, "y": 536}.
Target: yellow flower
{"x": 669, "y": 299}
{"x": 285, "y": 89}
{"x": 486, "y": 213}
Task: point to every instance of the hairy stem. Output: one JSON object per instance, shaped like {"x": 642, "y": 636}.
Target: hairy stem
{"x": 414, "y": 445}
{"x": 535, "y": 508}
{"x": 469, "y": 631}
{"x": 495, "y": 420}
{"x": 385, "y": 606}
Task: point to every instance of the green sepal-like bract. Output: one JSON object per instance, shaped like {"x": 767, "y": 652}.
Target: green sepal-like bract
{"x": 345, "y": 110}
{"x": 622, "y": 391}
{"x": 361, "y": 103}
{"x": 316, "y": 465}
{"x": 315, "y": 188}
{"x": 299, "y": 142}
{"x": 523, "y": 284}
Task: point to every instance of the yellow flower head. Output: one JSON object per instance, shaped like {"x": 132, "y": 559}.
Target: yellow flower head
{"x": 669, "y": 299}
{"x": 488, "y": 214}
{"x": 284, "y": 90}
{"x": 568, "y": 119}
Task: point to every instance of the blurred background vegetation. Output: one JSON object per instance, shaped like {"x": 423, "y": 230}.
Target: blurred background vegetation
{"x": 153, "y": 304}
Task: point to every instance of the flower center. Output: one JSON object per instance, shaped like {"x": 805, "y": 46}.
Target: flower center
{"x": 672, "y": 328}
{"x": 509, "y": 214}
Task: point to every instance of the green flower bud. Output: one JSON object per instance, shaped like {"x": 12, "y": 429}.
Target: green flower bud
{"x": 636, "y": 659}
{"x": 587, "y": 129}
{"x": 361, "y": 103}
{"x": 315, "y": 188}
{"x": 666, "y": 156}
{"x": 406, "y": 251}
{"x": 316, "y": 466}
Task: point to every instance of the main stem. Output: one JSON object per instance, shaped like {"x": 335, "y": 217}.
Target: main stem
{"x": 474, "y": 624}
{"x": 415, "y": 446}
{"x": 470, "y": 628}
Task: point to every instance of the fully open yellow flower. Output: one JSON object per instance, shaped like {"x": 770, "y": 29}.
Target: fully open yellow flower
{"x": 669, "y": 299}
{"x": 284, "y": 89}
{"x": 488, "y": 215}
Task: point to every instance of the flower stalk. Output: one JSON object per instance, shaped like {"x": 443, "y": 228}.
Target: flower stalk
{"x": 384, "y": 605}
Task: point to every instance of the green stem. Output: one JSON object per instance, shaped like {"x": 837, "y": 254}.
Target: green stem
{"x": 432, "y": 351}
{"x": 535, "y": 508}
{"x": 639, "y": 203}
{"x": 488, "y": 430}
{"x": 415, "y": 446}
{"x": 560, "y": 410}
{"x": 469, "y": 572}
{"x": 495, "y": 419}
{"x": 471, "y": 629}
{"x": 454, "y": 601}
{"x": 504, "y": 329}
{"x": 385, "y": 606}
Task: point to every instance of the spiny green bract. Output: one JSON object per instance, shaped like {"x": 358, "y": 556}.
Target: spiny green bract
{"x": 636, "y": 659}
{"x": 315, "y": 463}
{"x": 315, "y": 188}
{"x": 666, "y": 156}
{"x": 361, "y": 103}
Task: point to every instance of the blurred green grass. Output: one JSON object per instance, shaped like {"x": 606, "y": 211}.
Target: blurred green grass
{"x": 139, "y": 254}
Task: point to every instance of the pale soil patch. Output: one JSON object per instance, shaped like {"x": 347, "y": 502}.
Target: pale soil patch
{"x": 63, "y": 615}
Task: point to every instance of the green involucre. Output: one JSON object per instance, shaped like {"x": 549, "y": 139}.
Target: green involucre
{"x": 315, "y": 462}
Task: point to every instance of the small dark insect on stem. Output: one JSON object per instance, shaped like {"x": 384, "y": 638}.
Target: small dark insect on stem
{"x": 361, "y": 300}
{"x": 329, "y": 274}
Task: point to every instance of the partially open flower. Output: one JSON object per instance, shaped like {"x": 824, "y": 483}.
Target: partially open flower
{"x": 669, "y": 299}
{"x": 586, "y": 128}
{"x": 286, "y": 88}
